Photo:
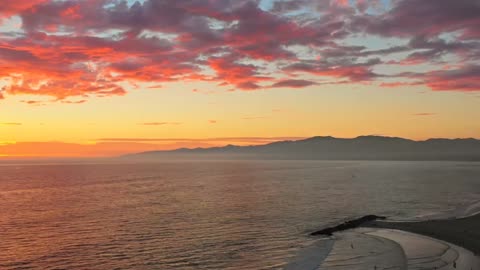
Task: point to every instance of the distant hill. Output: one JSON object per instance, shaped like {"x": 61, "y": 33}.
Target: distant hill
{"x": 330, "y": 148}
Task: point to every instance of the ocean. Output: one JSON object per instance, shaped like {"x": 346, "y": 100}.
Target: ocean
{"x": 210, "y": 214}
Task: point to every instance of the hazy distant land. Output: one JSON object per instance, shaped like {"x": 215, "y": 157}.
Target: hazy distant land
{"x": 330, "y": 148}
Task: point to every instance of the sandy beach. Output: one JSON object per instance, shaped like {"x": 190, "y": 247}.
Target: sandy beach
{"x": 464, "y": 232}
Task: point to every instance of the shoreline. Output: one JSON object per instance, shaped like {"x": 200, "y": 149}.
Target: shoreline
{"x": 464, "y": 232}
{"x": 432, "y": 244}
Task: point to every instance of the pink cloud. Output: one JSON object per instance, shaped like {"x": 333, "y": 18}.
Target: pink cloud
{"x": 423, "y": 18}
{"x": 10, "y": 8}
{"x": 110, "y": 43}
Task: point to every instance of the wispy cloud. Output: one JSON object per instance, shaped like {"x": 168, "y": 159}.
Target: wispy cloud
{"x": 74, "y": 101}
{"x": 211, "y": 92}
{"x": 254, "y": 117}
{"x": 157, "y": 86}
{"x": 209, "y": 140}
{"x": 424, "y": 114}
{"x": 11, "y": 124}
{"x": 159, "y": 123}
{"x": 293, "y": 83}
{"x": 34, "y": 102}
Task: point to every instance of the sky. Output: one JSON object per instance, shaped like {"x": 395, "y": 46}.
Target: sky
{"x": 93, "y": 78}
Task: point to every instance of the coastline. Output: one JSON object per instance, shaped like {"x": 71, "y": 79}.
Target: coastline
{"x": 464, "y": 232}
{"x": 372, "y": 242}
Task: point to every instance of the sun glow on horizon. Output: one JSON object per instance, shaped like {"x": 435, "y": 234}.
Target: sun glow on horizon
{"x": 182, "y": 72}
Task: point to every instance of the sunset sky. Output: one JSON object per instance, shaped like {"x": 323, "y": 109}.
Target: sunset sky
{"x": 108, "y": 77}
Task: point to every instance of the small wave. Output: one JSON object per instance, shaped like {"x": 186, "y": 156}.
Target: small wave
{"x": 463, "y": 211}
{"x": 468, "y": 210}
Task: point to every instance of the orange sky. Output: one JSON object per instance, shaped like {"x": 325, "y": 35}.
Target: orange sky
{"x": 95, "y": 78}
{"x": 110, "y": 148}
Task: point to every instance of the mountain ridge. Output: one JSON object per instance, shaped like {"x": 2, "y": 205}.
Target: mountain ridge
{"x": 369, "y": 147}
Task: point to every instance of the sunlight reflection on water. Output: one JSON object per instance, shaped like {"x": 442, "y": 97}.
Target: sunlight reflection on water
{"x": 210, "y": 215}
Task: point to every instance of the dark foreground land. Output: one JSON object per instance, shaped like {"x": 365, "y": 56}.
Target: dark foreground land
{"x": 464, "y": 232}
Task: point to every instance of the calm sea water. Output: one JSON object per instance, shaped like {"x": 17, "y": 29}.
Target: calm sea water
{"x": 206, "y": 215}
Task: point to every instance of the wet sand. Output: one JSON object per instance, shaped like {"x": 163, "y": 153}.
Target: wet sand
{"x": 464, "y": 232}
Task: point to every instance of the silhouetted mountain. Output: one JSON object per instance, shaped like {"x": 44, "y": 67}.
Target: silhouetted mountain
{"x": 330, "y": 148}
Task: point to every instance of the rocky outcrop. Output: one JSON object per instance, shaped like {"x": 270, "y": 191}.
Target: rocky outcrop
{"x": 351, "y": 224}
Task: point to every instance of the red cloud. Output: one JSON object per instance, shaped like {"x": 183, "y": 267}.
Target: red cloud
{"x": 84, "y": 49}
{"x": 10, "y": 8}
{"x": 243, "y": 76}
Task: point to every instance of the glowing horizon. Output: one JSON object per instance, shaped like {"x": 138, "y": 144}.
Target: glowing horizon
{"x": 171, "y": 74}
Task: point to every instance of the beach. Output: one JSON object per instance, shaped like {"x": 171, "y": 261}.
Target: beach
{"x": 370, "y": 242}
{"x": 464, "y": 232}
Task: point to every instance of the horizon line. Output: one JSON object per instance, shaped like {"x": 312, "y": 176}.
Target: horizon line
{"x": 87, "y": 151}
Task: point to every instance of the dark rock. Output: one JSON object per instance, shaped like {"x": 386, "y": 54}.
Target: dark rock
{"x": 351, "y": 224}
